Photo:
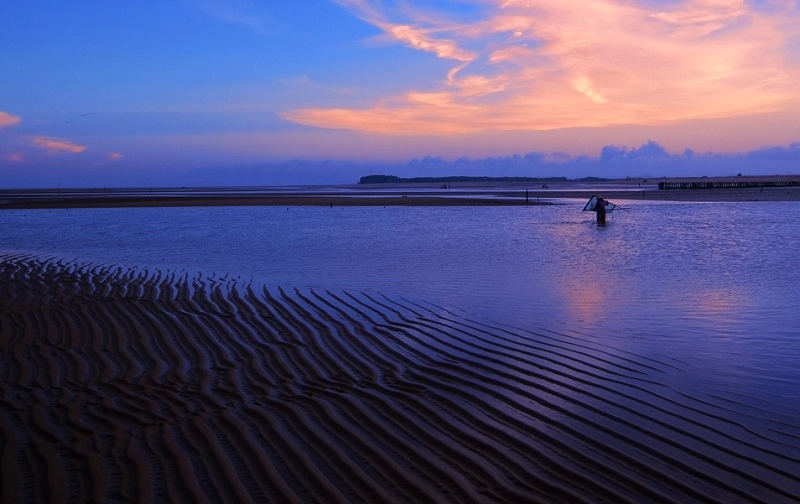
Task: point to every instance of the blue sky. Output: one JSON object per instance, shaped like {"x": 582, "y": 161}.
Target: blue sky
{"x": 187, "y": 92}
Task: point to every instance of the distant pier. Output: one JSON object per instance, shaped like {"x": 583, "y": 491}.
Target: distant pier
{"x": 731, "y": 183}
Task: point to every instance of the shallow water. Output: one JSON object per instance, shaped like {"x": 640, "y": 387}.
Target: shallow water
{"x": 712, "y": 287}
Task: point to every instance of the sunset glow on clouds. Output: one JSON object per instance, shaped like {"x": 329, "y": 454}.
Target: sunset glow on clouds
{"x": 7, "y": 119}
{"x": 57, "y": 145}
{"x": 538, "y": 65}
{"x": 327, "y": 91}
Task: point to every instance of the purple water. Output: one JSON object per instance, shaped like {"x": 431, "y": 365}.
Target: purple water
{"x": 712, "y": 287}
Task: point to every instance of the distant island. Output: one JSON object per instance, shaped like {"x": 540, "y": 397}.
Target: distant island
{"x": 392, "y": 179}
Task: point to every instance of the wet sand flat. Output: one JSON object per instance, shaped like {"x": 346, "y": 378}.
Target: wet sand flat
{"x": 466, "y": 194}
{"x": 127, "y": 385}
{"x": 260, "y": 200}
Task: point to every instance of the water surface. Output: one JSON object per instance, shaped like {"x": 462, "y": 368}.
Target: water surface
{"x": 713, "y": 287}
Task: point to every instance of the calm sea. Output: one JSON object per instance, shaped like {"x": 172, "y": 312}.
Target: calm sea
{"x": 712, "y": 287}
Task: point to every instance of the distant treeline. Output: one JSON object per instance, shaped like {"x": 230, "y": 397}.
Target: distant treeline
{"x": 392, "y": 179}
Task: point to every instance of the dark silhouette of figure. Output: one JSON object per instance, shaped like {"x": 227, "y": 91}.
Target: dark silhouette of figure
{"x": 600, "y": 208}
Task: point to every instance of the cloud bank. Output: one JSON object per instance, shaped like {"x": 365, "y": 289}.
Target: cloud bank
{"x": 615, "y": 161}
{"x": 552, "y": 64}
{"x": 649, "y": 160}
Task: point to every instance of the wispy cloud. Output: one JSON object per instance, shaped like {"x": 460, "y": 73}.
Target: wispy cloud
{"x": 416, "y": 30}
{"x": 115, "y": 156}
{"x": 7, "y": 119}
{"x": 242, "y": 12}
{"x": 305, "y": 82}
{"x": 57, "y": 144}
{"x": 553, "y": 64}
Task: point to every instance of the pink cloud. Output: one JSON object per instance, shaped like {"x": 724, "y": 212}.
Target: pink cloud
{"x": 14, "y": 157}
{"x": 552, "y": 64}
{"x": 114, "y": 156}
{"x": 7, "y": 119}
{"x": 57, "y": 144}
{"x": 418, "y": 39}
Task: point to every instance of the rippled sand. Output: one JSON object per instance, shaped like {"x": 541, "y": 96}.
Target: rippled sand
{"x": 136, "y": 385}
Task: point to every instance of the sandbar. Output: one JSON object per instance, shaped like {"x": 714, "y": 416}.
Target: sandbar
{"x": 465, "y": 194}
{"x": 136, "y": 385}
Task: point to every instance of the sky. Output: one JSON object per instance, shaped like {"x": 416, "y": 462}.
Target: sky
{"x": 274, "y": 92}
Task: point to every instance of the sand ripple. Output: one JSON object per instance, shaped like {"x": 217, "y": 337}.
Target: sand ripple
{"x": 137, "y": 385}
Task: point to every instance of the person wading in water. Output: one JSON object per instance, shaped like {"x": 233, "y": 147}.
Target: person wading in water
{"x": 600, "y": 208}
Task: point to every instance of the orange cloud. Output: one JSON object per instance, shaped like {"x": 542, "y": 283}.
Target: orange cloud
{"x": 115, "y": 156}
{"x": 14, "y": 157}
{"x": 56, "y": 144}
{"x": 7, "y": 119}
{"x": 553, "y": 64}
